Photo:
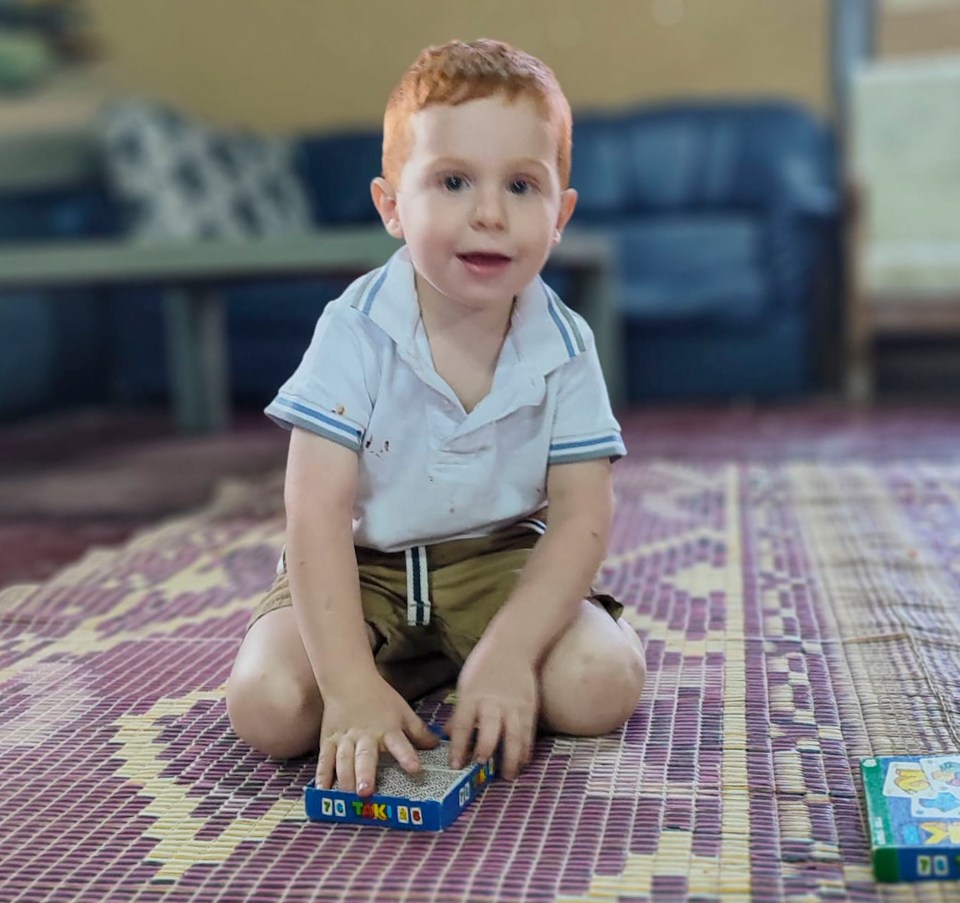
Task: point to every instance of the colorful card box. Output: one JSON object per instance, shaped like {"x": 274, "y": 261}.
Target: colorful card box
{"x": 430, "y": 800}
{"x": 913, "y": 816}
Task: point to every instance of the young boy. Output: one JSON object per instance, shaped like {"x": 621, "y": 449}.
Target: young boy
{"x": 445, "y": 400}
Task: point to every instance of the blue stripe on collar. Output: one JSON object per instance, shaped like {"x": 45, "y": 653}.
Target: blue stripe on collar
{"x": 563, "y": 320}
{"x": 375, "y": 289}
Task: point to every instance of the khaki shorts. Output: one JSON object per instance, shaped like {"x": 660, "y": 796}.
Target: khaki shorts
{"x": 430, "y": 605}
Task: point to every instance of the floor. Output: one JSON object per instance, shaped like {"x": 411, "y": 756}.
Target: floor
{"x": 792, "y": 573}
{"x": 87, "y": 478}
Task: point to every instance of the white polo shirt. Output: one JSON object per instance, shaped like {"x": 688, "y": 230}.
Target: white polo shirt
{"x": 429, "y": 471}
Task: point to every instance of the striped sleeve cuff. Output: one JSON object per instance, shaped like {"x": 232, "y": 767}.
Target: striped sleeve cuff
{"x": 289, "y": 412}
{"x": 609, "y": 445}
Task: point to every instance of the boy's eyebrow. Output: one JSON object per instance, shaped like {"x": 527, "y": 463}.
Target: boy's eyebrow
{"x": 460, "y": 163}
{"x": 528, "y": 162}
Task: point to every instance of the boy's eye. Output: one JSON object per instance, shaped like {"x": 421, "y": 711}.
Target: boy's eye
{"x": 520, "y": 186}
{"x": 454, "y": 183}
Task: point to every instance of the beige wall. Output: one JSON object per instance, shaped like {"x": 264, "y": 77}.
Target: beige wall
{"x": 290, "y": 64}
{"x": 923, "y": 27}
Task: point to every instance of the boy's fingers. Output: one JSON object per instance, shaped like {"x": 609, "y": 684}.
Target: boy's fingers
{"x": 489, "y": 729}
{"x": 402, "y": 750}
{"x": 365, "y": 761}
{"x": 513, "y": 746}
{"x": 420, "y": 734}
{"x": 530, "y": 739}
{"x": 346, "y": 775}
{"x": 325, "y": 764}
{"x": 459, "y": 728}
{"x": 528, "y": 735}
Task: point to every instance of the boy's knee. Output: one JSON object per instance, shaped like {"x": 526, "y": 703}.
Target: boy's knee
{"x": 274, "y": 713}
{"x": 596, "y": 692}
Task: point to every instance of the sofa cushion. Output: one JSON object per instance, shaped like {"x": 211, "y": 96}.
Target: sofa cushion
{"x": 702, "y": 156}
{"x": 599, "y": 169}
{"x": 748, "y": 156}
{"x": 768, "y": 358}
{"x": 178, "y": 178}
{"x": 337, "y": 170}
{"x": 686, "y": 267}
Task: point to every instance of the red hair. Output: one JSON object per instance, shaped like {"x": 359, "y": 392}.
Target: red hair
{"x": 457, "y": 72}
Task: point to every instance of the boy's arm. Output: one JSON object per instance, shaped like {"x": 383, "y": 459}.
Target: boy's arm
{"x": 501, "y": 673}
{"x": 362, "y": 713}
{"x": 564, "y": 563}
{"x": 321, "y": 564}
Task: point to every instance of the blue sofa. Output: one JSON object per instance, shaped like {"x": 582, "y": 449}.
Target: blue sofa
{"x": 724, "y": 215}
{"x": 726, "y": 220}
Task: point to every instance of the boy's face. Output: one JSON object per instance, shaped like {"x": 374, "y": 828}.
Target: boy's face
{"x": 479, "y": 202}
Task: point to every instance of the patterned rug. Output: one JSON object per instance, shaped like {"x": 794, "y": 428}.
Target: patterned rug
{"x": 797, "y": 615}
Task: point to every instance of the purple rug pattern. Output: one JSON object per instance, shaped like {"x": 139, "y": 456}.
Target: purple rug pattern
{"x": 796, "y": 615}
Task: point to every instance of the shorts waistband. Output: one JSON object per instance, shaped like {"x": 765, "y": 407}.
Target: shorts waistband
{"x": 417, "y": 561}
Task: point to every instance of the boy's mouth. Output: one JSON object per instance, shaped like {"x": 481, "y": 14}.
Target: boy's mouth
{"x": 484, "y": 262}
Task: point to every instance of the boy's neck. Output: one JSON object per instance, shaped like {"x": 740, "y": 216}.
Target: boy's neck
{"x": 440, "y": 315}
{"x": 464, "y": 342}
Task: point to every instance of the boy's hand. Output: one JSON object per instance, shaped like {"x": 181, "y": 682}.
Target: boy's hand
{"x": 369, "y": 717}
{"x": 497, "y": 695}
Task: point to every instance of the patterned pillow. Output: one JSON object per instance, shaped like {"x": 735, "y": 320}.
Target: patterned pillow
{"x": 179, "y": 178}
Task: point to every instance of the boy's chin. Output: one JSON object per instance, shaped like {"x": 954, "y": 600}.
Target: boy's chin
{"x": 481, "y": 301}
{"x": 496, "y": 293}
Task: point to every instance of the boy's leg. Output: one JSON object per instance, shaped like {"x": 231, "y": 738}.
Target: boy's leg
{"x": 591, "y": 680}
{"x": 273, "y": 700}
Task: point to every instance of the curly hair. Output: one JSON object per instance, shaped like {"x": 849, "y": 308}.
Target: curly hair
{"x": 457, "y": 72}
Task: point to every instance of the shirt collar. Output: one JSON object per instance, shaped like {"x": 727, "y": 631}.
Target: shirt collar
{"x": 544, "y": 332}
{"x": 389, "y": 298}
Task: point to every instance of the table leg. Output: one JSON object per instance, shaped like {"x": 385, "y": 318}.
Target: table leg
{"x": 197, "y": 359}
{"x": 858, "y": 378}
{"x": 596, "y": 301}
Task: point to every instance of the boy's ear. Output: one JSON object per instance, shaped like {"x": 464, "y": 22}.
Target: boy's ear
{"x": 568, "y": 201}
{"x": 385, "y": 200}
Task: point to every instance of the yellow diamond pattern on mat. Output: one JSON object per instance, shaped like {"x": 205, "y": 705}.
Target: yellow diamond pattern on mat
{"x": 85, "y": 638}
{"x": 673, "y": 857}
{"x": 176, "y": 828}
{"x": 728, "y": 874}
{"x": 704, "y": 578}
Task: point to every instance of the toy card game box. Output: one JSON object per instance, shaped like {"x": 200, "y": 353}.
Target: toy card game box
{"x": 430, "y": 800}
{"x": 913, "y": 816}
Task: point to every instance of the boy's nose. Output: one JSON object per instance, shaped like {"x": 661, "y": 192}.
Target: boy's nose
{"x": 489, "y": 213}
